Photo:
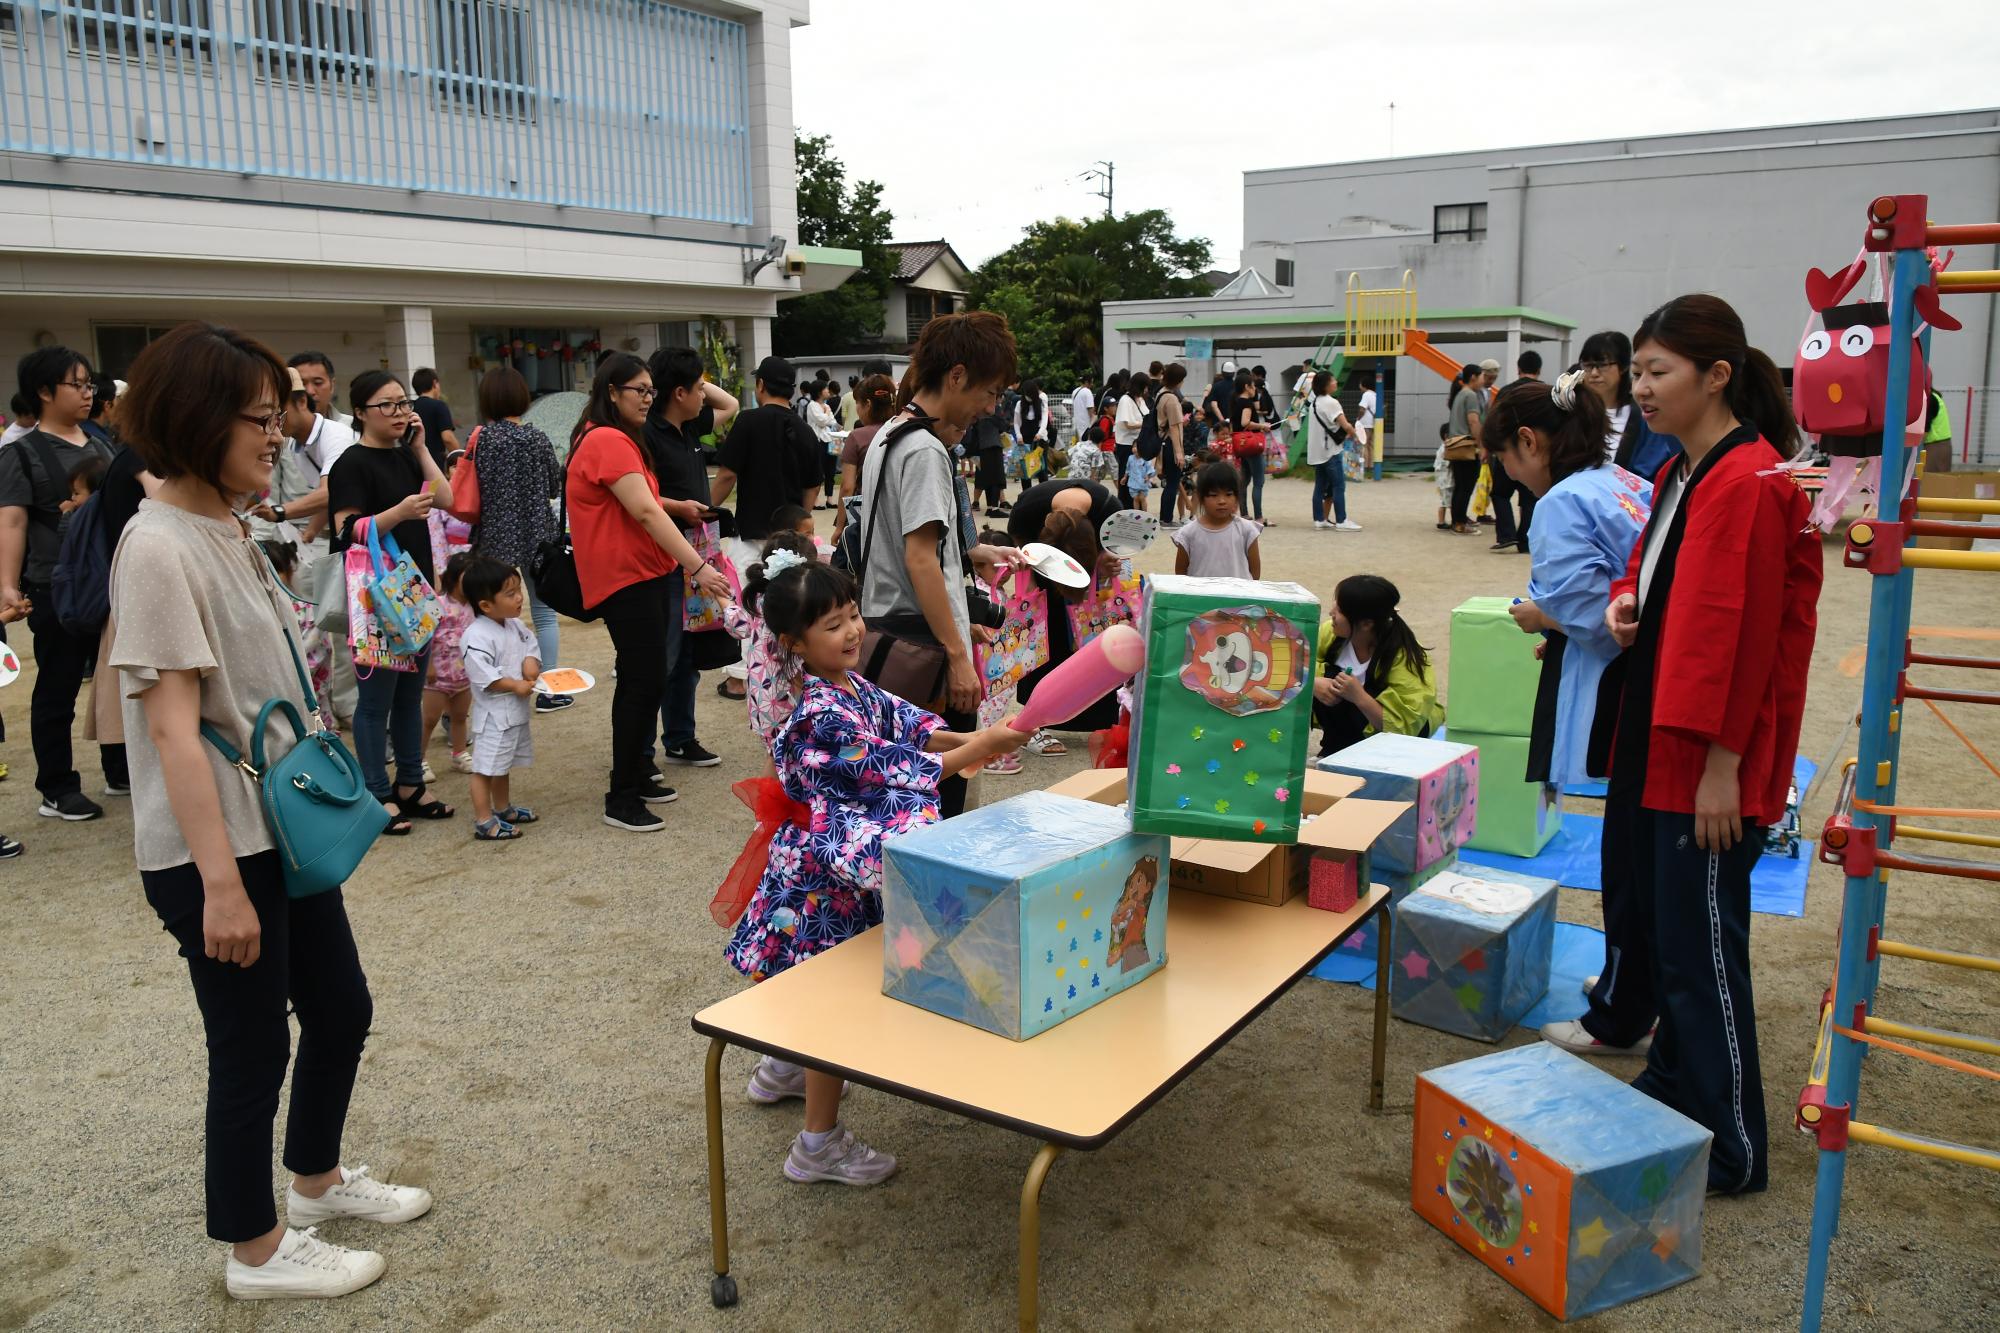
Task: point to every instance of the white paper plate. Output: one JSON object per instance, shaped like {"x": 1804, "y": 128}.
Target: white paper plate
{"x": 10, "y": 665}
{"x": 1129, "y": 532}
{"x": 1056, "y": 566}
{"x": 569, "y": 686}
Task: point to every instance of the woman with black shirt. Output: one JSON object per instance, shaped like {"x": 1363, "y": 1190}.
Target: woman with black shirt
{"x": 1067, "y": 515}
{"x": 390, "y": 477}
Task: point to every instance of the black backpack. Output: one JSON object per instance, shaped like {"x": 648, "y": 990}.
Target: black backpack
{"x": 1147, "y": 446}
{"x": 80, "y": 587}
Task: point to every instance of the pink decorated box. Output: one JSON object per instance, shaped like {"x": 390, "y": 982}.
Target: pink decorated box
{"x": 1440, "y": 780}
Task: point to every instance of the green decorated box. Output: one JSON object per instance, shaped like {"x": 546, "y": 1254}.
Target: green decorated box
{"x": 1223, "y": 709}
{"x": 1516, "y": 816}
{"x": 1494, "y": 673}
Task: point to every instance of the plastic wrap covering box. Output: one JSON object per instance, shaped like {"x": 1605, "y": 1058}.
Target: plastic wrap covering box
{"x": 1223, "y": 711}
{"x": 1494, "y": 671}
{"x": 1362, "y": 941}
{"x": 1516, "y": 816}
{"x": 1471, "y": 951}
{"x": 1335, "y": 825}
{"x": 1579, "y": 1190}
{"x": 1018, "y": 915}
{"x": 1440, "y": 780}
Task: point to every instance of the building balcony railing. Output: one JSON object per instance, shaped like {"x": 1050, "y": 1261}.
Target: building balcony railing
{"x": 622, "y": 105}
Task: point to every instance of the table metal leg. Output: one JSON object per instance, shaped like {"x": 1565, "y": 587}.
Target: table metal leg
{"x": 1375, "y": 1074}
{"x": 722, "y": 1290}
{"x": 1031, "y": 1235}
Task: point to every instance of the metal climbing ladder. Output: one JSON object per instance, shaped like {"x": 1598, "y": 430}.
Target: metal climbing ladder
{"x": 1861, "y": 832}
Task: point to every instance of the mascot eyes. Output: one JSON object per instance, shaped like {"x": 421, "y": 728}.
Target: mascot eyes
{"x": 1816, "y": 345}
{"x": 1857, "y": 340}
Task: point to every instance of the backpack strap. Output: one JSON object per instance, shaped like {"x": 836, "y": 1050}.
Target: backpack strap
{"x": 915, "y": 422}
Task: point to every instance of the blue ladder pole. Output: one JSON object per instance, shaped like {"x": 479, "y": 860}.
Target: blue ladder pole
{"x": 1864, "y": 897}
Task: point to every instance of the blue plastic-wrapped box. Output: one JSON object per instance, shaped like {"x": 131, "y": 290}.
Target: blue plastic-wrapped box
{"x": 1018, "y": 915}
{"x": 1440, "y": 780}
{"x": 1471, "y": 950}
{"x": 1580, "y": 1190}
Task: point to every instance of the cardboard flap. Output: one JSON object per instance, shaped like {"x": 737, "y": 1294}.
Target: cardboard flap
{"x": 1351, "y": 824}
{"x": 1322, "y": 789}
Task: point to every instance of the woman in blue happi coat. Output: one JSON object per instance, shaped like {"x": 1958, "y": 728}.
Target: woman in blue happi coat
{"x": 1589, "y": 514}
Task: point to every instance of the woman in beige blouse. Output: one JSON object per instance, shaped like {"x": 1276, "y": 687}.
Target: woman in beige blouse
{"x": 205, "y": 634}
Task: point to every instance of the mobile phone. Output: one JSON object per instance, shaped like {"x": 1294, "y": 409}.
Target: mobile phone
{"x": 410, "y": 433}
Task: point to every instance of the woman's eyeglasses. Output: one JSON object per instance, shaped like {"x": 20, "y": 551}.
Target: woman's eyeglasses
{"x": 645, "y": 394}
{"x": 394, "y": 407}
{"x": 1596, "y": 365}
{"x": 272, "y": 424}
{"x": 84, "y": 387}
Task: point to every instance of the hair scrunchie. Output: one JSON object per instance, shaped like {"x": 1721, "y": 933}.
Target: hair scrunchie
{"x": 1563, "y": 392}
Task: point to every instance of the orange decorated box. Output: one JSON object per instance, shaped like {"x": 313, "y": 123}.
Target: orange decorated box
{"x": 1576, "y": 1188}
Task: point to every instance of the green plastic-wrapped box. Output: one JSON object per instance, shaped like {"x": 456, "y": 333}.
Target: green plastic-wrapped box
{"x": 1516, "y": 816}
{"x": 1491, "y": 688}
{"x": 1222, "y": 711}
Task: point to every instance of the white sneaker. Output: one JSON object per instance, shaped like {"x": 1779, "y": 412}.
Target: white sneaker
{"x": 768, "y": 1087}
{"x": 1320, "y": 525}
{"x": 844, "y": 1158}
{"x": 304, "y": 1266}
{"x": 1347, "y": 525}
{"x": 1573, "y": 1037}
{"x": 359, "y": 1195}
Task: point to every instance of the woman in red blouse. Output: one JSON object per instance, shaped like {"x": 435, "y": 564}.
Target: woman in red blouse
{"x": 628, "y": 551}
{"x": 1716, "y": 612}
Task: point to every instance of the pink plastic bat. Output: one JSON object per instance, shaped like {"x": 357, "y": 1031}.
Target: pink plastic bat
{"x": 1098, "y": 668}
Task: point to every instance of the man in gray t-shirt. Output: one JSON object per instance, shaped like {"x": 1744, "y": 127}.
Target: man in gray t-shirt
{"x": 916, "y": 490}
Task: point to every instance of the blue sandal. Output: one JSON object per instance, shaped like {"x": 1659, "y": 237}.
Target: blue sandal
{"x": 495, "y": 829}
{"x": 519, "y": 814}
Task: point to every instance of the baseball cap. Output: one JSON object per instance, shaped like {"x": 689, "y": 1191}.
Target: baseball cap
{"x": 298, "y": 382}
{"x": 777, "y": 374}
{"x": 1490, "y": 364}
{"x": 1229, "y": 367}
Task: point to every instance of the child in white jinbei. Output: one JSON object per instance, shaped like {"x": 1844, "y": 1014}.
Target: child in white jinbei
{"x": 500, "y": 663}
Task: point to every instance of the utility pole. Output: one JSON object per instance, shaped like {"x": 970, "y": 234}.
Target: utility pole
{"x": 1392, "y": 129}
{"x": 1106, "y": 176}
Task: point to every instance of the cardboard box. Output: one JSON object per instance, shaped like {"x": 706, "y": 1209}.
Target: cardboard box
{"x": 1222, "y": 711}
{"x": 1335, "y": 822}
{"x": 1959, "y": 486}
{"x": 1023, "y": 913}
{"x": 1582, "y": 1192}
{"x": 1472, "y": 951}
{"x": 1516, "y": 816}
{"x": 1494, "y": 672}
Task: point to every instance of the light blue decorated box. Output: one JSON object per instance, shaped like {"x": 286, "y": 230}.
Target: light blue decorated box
{"x": 1471, "y": 950}
{"x": 1580, "y": 1190}
{"x": 1015, "y": 916}
{"x": 1440, "y": 780}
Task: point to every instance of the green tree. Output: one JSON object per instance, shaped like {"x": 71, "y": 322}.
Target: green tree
{"x": 831, "y": 213}
{"x": 1062, "y": 271}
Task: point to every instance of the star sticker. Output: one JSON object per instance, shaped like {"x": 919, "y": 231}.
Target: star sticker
{"x": 1283, "y": 794}
{"x": 1489, "y": 1131}
{"x": 1534, "y": 1228}
{"x": 1083, "y": 962}
{"x": 1416, "y": 965}
{"x": 1061, "y": 972}
{"x": 1469, "y": 997}
{"x": 1482, "y": 1247}
{"x": 1440, "y": 1159}
{"x": 1077, "y": 897}
{"x": 1173, "y": 770}
{"x": 1474, "y": 960}
{"x": 1652, "y": 1184}
{"x": 1086, "y": 914}
{"x": 1669, "y": 1242}
{"x": 909, "y": 949}
{"x": 1062, "y": 923}
{"x": 1591, "y": 1240}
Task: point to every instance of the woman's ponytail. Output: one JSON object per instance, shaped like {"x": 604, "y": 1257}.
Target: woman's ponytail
{"x": 1758, "y": 396}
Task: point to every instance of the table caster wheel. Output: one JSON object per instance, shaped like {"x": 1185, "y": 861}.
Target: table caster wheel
{"x": 722, "y": 1291}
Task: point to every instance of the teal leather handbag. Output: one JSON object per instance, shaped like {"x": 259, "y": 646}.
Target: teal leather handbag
{"x": 321, "y": 816}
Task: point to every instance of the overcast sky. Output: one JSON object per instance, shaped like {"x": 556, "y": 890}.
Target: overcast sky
{"x": 980, "y": 117}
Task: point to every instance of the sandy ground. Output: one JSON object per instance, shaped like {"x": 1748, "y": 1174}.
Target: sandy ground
{"x": 532, "y": 1064}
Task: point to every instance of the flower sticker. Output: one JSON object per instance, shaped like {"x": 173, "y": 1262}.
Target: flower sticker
{"x": 1283, "y": 794}
{"x": 1250, "y": 778}
{"x": 1222, "y": 806}
{"x": 1199, "y": 732}
{"x": 1185, "y": 802}
{"x": 1274, "y": 735}
{"x": 1173, "y": 770}
{"x": 1258, "y": 827}
{"x": 1236, "y": 744}
{"x": 1214, "y": 765}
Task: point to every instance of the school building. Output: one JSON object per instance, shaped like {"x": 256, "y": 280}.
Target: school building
{"x": 401, "y": 183}
{"x": 1541, "y": 246}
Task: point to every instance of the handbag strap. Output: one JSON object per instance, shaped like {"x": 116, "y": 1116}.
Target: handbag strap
{"x": 915, "y": 422}
{"x": 215, "y": 738}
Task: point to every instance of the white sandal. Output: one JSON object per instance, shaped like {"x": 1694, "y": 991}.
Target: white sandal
{"x": 1042, "y": 743}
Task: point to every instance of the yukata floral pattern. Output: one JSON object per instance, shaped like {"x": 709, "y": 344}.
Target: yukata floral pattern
{"x": 775, "y": 678}
{"x": 857, "y": 763}
{"x": 447, "y": 661}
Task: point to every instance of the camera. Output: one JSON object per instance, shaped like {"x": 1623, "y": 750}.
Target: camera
{"x": 982, "y": 610}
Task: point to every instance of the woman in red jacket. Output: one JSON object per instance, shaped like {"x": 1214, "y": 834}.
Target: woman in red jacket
{"x": 1716, "y": 612}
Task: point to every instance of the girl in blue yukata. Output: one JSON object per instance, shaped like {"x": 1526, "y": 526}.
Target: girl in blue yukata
{"x": 858, "y": 765}
{"x": 1588, "y": 515}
